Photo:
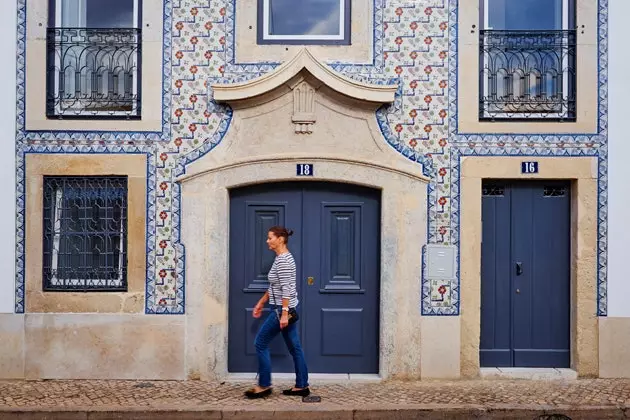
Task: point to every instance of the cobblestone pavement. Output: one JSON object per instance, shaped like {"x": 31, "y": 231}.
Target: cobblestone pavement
{"x": 197, "y": 395}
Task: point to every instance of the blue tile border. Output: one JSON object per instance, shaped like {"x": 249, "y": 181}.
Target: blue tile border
{"x": 461, "y": 144}
{"x": 86, "y": 142}
{"x": 574, "y": 145}
{"x": 97, "y": 142}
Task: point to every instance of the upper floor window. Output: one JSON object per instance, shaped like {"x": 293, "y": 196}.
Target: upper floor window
{"x": 304, "y": 22}
{"x": 85, "y": 233}
{"x": 527, "y": 60}
{"x": 93, "y": 59}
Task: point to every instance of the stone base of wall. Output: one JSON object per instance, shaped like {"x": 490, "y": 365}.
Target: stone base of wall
{"x": 614, "y": 347}
{"x": 11, "y": 346}
{"x": 91, "y": 346}
{"x": 124, "y": 346}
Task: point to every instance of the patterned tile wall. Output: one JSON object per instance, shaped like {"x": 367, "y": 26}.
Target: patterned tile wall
{"x": 414, "y": 45}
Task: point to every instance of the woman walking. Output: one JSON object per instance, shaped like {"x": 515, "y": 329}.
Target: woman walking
{"x": 283, "y": 300}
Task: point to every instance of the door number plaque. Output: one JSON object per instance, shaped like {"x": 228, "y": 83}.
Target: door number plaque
{"x": 305, "y": 169}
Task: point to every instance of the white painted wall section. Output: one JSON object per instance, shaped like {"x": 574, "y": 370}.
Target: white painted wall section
{"x": 8, "y": 29}
{"x": 619, "y": 160}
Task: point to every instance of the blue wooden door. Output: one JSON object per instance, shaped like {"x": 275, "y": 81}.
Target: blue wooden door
{"x": 525, "y": 275}
{"x": 252, "y": 212}
{"x": 336, "y": 248}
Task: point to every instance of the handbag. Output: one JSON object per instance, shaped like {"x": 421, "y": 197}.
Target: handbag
{"x": 292, "y": 315}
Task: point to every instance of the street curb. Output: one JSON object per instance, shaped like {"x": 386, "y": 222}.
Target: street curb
{"x": 431, "y": 412}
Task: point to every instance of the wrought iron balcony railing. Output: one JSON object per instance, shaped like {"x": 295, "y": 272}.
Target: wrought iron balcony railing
{"x": 93, "y": 73}
{"x": 527, "y": 75}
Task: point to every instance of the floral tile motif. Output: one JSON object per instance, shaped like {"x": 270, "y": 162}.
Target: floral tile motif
{"x": 441, "y": 293}
{"x": 465, "y": 144}
{"x": 414, "y": 45}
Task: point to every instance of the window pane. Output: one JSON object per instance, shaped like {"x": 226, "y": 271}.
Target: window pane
{"x": 304, "y": 17}
{"x": 97, "y": 13}
{"x": 110, "y": 14}
{"x": 534, "y": 15}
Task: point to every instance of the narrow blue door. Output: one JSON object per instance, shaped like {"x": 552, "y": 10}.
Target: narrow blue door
{"x": 496, "y": 270}
{"x": 341, "y": 265}
{"x": 336, "y": 248}
{"x": 525, "y": 301}
{"x": 252, "y": 212}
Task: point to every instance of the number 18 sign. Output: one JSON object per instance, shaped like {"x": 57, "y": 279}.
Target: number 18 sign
{"x": 305, "y": 169}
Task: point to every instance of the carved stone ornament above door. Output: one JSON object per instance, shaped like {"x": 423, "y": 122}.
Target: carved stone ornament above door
{"x": 304, "y": 110}
{"x": 304, "y": 60}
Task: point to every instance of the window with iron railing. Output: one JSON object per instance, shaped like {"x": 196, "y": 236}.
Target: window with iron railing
{"x": 85, "y": 233}
{"x": 528, "y": 60}
{"x": 94, "y": 59}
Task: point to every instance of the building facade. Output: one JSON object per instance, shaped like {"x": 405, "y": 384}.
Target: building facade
{"x": 452, "y": 169}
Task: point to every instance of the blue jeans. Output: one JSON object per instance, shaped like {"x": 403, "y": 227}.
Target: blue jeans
{"x": 269, "y": 329}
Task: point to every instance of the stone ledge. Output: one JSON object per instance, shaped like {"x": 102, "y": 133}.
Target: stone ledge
{"x": 528, "y": 373}
{"x": 316, "y": 413}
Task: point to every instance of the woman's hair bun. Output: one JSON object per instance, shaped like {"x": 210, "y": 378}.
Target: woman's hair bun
{"x": 281, "y": 231}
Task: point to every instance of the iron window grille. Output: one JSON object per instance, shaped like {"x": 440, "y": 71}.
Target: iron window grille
{"x": 493, "y": 190}
{"x": 93, "y": 73}
{"x": 85, "y": 233}
{"x": 528, "y": 75}
{"x": 554, "y": 191}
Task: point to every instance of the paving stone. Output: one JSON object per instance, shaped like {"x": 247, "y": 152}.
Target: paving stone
{"x": 99, "y": 400}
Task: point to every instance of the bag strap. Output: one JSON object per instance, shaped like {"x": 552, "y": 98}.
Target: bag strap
{"x": 274, "y": 298}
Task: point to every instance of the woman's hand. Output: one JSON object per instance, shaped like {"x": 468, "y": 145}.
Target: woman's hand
{"x": 284, "y": 320}
{"x": 257, "y": 310}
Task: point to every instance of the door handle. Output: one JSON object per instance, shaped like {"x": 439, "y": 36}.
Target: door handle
{"x": 310, "y": 281}
{"x": 519, "y": 268}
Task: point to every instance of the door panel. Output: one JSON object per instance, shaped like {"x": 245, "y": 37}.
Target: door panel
{"x": 259, "y": 217}
{"x": 342, "y": 332}
{"x": 526, "y": 269}
{"x": 496, "y": 318}
{"x": 336, "y": 245}
{"x": 252, "y": 213}
{"x": 341, "y": 246}
{"x": 341, "y": 329}
{"x": 541, "y": 309}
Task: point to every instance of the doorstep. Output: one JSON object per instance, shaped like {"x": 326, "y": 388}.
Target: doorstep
{"x": 313, "y": 378}
{"x": 541, "y": 374}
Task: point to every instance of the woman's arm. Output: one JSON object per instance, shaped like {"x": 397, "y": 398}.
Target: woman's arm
{"x": 264, "y": 298}
{"x": 287, "y": 277}
{"x": 286, "y": 274}
{"x": 259, "y": 306}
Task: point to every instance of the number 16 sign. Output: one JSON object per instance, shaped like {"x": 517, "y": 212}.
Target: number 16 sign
{"x": 529, "y": 167}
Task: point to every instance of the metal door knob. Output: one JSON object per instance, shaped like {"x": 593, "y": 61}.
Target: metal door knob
{"x": 310, "y": 281}
{"x": 518, "y": 290}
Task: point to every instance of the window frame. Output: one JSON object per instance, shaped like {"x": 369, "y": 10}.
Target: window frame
{"x": 569, "y": 17}
{"x": 54, "y": 14}
{"x": 52, "y": 208}
{"x": 568, "y": 14}
{"x": 55, "y": 112}
{"x": 263, "y": 37}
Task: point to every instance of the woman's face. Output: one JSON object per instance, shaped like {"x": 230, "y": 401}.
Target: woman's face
{"x": 273, "y": 241}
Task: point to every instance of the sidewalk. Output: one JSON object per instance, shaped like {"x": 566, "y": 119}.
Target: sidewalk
{"x": 577, "y": 399}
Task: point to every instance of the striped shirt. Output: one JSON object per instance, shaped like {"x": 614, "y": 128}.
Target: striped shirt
{"x": 282, "y": 280}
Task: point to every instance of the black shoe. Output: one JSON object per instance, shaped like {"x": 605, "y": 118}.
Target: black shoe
{"x": 251, "y": 394}
{"x": 297, "y": 392}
